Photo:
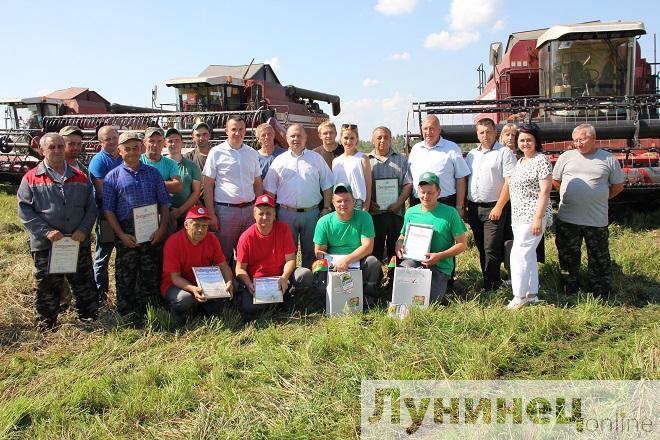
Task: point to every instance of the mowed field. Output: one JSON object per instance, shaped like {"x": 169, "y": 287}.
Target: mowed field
{"x": 297, "y": 375}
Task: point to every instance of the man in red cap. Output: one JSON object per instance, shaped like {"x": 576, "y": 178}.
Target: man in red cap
{"x": 266, "y": 249}
{"x": 192, "y": 247}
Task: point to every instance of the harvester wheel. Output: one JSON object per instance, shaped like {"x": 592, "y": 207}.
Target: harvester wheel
{"x": 4, "y": 144}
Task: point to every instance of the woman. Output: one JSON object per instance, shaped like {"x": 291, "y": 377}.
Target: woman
{"x": 353, "y": 167}
{"x": 531, "y": 213}
{"x": 508, "y": 136}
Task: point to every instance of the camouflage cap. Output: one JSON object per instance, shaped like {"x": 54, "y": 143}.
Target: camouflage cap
{"x": 170, "y": 131}
{"x": 71, "y": 129}
{"x": 129, "y": 136}
{"x": 152, "y": 131}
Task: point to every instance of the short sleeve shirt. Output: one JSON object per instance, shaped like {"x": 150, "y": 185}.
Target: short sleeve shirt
{"x": 265, "y": 254}
{"x": 524, "y": 189}
{"x": 180, "y": 256}
{"x": 585, "y": 186}
{"x": 488, "y": 169}
{"x": 343, "y": 236}
{"x": 395, "y": 166}
{"x": 189, "y": 171}
{"x": 265, "y": 161}
{"x": 444, "y": 159}
{"x": 102, "y": 163}
{"x": 447, "y": 225}
{"x": 329, "y": 156}
{"x": 167, "y": 167}
{"x": 234, "y": 172}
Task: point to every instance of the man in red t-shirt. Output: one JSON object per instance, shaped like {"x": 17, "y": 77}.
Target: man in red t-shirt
{"x": 266, "y": 249}
{"x": 188, "y": 248}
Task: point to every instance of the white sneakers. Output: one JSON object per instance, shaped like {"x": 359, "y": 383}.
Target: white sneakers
{"x": 518, "y": 302}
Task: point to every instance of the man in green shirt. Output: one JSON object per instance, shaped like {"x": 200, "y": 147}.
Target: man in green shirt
{"x": 154, "y": 140}
{"x": 348, "y": 234}
{"x": 448, "y": 234}
{"x": 191, "y": 178}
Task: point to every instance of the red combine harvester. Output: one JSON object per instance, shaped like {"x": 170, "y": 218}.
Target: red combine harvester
{"x": 566, "y": 75}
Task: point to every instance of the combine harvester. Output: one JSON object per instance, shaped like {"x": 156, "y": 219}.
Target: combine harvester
{"x": 251, "y": 91}
{"x": 566, "y": 75}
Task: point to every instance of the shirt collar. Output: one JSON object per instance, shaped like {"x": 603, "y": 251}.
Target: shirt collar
{"x": 390, "y": 153}
{"x": 496, "y": 146}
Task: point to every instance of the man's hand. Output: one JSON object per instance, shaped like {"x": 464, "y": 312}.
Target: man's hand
{"x": 54, "y": 235}
{"x": 461, "y": 212}
{"x": 78, "y": 235}
{"x": 229, "y": 288}
{"x": 395, "y": 207}
{"x": 198, "y": 294}
{"x": 398, "y": 249}
{"x": 374, "y": 208}
{"x": 341, "y": 265}
{"x": 495, "y": 214}
{"x": 432, "y": 258}
{"x": 284, "y": 284}
{"x": 213, "y": 220}
{"x": 250, "y": 287}
{"x": 128, "y": 240}
{"x": 159, "y": 236}
{"x": 176, "y": 212}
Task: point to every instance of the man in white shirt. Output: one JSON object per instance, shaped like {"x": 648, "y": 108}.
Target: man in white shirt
{"x": 490, "y": 165}
{"x": 297, "y": 178}
{"x": 232, "y": 180}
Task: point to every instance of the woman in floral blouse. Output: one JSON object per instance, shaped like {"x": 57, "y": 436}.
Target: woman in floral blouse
{"x": 531, "y": 213}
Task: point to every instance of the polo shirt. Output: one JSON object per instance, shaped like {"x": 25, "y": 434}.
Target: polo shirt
{"x": 447, "y": 225}
{"x": 234, "y": 171}
{"x": 488, "y": 168}
{"x": 125, "y": 189}
{"x": 343, "y": 236}
{"x": 329, "y": 156}
{"x": 180, "y": 256}
{"x": 296, "y": 180}
{"x": 167, "y": 167}
{"x": 101, "y": 164}
{"x": 189, "y": 171}
{"x": 395, "y": 166}
{"x": 444, "y": 159}
{"x": 264, "y": 254}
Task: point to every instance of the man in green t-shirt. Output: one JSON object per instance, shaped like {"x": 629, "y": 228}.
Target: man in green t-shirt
{"x": 448, "y": 238}
{"x": 349, "y": 233}
{"x": 191, "y": 178}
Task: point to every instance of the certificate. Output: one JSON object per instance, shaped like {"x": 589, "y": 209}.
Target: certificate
{"x": 267, "y": 290}
{"x": 332, "y": 258}
{"x": 417, "y": 241}
{"x": 387, "y": 192}
{"x": 64, "y": 256}
{"x": 211, "y": 281}
{"x": 145, "y": 220}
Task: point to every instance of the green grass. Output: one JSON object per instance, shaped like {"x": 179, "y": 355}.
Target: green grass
{"x": 298, "y": 376}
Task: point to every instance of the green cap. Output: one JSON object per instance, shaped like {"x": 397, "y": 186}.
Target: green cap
{"x": 152, "y": 131}
{"x": 201, "y": 124}
{"x": 129, "y": 136}
{"x": 171, "y": 131}
{"x": 71, "y": 129}
{"x": 341, "y": 185}
{"x": 429, "y": 177}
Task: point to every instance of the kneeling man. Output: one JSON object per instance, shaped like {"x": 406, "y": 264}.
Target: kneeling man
{"x": 266, "y": 249}
{"x": 448, "y": 234}
{"x": 192, "y": 247}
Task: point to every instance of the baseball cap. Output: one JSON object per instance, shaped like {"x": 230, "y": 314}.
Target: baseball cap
{"x": 71, "y": 129}
{"x": 129, "y": 136}
{"x": 429, "y": 177}
{"x": 341, "y": 185}
{"x": 171, "y": 131}
{"x": 197, "y": 212}
{"x": 201, "y": 124}
{"x": 152, "y": 131}
{"x": 264, "y": 199}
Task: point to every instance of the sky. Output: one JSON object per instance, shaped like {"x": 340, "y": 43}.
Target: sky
{"x": 378, "y": 56}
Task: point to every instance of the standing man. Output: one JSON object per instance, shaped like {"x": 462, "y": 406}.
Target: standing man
{"x": 490, "y": 165}
{"x": 586, "y": 177}
{"x": 443, "y": 158}
{"x": 137, "y": 265}
{"x": 448, "y": 234}
{"x": 268, "y": 150}
{"x": 73, "y": 137}
{"x": 387, "y": 164}
{"x": 297, "y": 178}
{"x": 329, "y": 148}
{"x": 266, "y": 249}
{"x": 191, "y": 179}
{"x": 57, "y": 200}
{"x": 101, "y": 164}
{"x": 154, "y": 140}
{"x": 201, "y": 134}
{"x": 232, "y": 180}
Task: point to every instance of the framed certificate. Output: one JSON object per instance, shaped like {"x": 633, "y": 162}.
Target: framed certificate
{"x": 387, "y": 192}
{"x": 267, "y": 290}
{"x": 211, "y": 281}
{"x": 417, "y": 241}
{"x": 63, "y": 256}
{"x": 145, "y": 220}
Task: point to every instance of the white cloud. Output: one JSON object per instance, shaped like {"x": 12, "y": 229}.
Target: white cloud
{"x": 369, "y": 82}
{"x": 466, "y": 18}
{"x": 391, "y": 104}
{"x": 274, "y": 63}
{"x": 370, "y": 113}
{"x": 403, "y": 56}
{"x": 396, "y": 7}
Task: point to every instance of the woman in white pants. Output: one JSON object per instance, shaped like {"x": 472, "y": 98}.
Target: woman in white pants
{"x": 531, "y": 213}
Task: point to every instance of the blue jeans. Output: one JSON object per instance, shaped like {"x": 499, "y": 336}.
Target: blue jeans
{"x": 101, "y": 262}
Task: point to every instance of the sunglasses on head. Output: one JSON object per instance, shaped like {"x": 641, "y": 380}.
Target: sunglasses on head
{"x": 349, "y": 126}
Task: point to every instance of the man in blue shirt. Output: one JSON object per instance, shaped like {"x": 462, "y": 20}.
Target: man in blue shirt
{"x": 137, "y": 265}
{"x": 100, "y": 165}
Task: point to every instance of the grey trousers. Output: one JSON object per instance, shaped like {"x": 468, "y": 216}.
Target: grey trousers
{"x": 438, "y": 280}
{"x": 232, "y": 221}
{"x": 302, "y": 227}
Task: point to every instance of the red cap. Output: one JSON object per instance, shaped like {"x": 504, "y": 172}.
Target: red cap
{"x": 197, "y": 212}
{"x": 264, "y": 199}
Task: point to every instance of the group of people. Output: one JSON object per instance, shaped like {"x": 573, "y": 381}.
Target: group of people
{"x": 250, "y": 212}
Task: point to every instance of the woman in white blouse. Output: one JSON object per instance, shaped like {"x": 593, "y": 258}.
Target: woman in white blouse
{"x": 353, "y": 167}
{"x": 531, "y": 214}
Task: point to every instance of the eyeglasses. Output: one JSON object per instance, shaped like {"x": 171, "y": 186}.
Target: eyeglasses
{"x": 349, "y": 126}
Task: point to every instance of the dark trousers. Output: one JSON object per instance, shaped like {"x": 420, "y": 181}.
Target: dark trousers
{"x": 48, "y": 288}
{"x": 569, "y": 242}
{"x": 489, "y": 239}
{"x": 183, "y": 305}
{"x": 387, "y": 226}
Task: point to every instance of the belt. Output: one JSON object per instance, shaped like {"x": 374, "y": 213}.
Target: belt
{"x": 235, "y": 205}
{"x": 484, "y": 204}
{"x": 291, "y": 208}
